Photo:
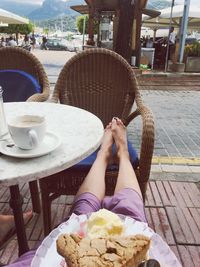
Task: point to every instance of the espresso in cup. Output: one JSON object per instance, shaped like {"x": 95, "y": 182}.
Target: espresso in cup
{"x": 27, "y": 131}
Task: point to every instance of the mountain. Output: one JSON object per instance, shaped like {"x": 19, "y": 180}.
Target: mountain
{"x": 22, "y": 9}
{"x": 54, "y": 8}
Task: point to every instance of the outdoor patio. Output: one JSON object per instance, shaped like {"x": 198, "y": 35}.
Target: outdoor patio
{"x": 172, "y": 209}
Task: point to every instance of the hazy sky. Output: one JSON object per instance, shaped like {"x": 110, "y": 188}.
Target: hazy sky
{"x": 176, "y": 1}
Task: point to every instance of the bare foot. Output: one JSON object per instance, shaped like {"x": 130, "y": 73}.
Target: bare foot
{"x": 7, "y": 223}
{"x": 120, "y": 137}
{"x": 106, "y": 144}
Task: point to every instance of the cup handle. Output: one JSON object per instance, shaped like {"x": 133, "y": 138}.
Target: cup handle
{"x": 33, "y": 138}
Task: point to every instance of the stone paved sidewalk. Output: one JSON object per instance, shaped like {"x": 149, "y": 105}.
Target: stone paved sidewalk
{"x": 177, "y": 123}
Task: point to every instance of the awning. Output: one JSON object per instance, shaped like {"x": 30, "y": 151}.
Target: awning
{"x": 11, "y": 18}
{"x": 83, "y": 9}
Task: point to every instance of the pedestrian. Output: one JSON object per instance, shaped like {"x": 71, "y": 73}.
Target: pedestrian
{"x": 44, "y": 43}
{"x": 3, "y": 42}
{"x": 33, "y": 41}
{"x": 12, "y": 42}
{"x": 172, "y": 43}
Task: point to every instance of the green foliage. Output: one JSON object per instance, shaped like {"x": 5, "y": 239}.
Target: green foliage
{"x": 18, "y": 28}
{"x": 193, "y": 50}
{"x": 80, "y": 21}
{"x": 68, "y": 23}
{"x": 46, "y": 31}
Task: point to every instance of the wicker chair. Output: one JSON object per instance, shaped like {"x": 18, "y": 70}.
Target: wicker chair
{"x": 103, "y": 83}
{"x": 16, "y": 58}
{"x": 20, "y": 59}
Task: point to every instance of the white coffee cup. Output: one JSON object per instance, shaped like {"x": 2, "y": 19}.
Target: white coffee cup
{"x": 27, "y": 131}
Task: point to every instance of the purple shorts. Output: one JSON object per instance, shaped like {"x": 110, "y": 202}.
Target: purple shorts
{"x": 126, "y": 202}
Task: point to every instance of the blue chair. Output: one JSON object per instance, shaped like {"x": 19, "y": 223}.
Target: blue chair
{"x": 18, "y": 85}
{"x": 18, "y": 59}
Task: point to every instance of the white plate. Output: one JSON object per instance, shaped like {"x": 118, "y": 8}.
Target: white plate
{"x": 50, "y": 143}
{"x": 46, "y": 254}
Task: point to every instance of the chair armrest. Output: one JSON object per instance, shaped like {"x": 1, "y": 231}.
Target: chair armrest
{"x": 38, "y": 97}
{"x": 147, "y": 144}
{"x": 43, "y": 96}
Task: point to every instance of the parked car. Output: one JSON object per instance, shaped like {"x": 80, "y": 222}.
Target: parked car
{"x": 56, "y": 44}
{"x": 59, "y": 44}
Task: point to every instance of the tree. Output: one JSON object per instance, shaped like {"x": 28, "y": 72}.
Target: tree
{"x": 18, "y": 28}
{"x": 46, "y": 31}
{"x": 80, "y": 21}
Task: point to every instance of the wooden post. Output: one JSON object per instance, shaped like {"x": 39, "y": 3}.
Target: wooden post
{"x": 90, "y": 40}
{"x": 123, "y": 40}
{"x": 138, "y": 17}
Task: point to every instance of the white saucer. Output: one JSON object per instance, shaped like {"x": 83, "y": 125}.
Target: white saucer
{"x": 50, "y": 143}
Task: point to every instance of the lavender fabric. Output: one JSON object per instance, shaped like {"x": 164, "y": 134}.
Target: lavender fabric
{"x": 126, "y": 202}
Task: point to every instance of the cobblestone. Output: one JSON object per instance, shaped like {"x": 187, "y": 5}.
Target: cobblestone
{"x": 177, "y": 122}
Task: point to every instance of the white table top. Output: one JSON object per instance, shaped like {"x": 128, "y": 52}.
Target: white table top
{"x": 80, "y": 132}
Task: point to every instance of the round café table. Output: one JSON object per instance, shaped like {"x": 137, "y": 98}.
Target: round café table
{"x": 80, "y": 133}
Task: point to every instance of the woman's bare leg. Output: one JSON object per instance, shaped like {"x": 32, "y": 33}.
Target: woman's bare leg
{"x": 95, "y": 180}
{"x": 7, "y": 223}
{"x": 126, "y": 176}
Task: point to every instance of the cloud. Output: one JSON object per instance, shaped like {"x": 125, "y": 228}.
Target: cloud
{"x": 25, "y": 1}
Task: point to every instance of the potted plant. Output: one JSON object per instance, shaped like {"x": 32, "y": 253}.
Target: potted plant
{"x": 192, "y": 57}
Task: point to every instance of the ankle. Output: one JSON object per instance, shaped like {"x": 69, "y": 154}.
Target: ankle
{"x": 103, "y": 154}
{"x": 123, "y": 154}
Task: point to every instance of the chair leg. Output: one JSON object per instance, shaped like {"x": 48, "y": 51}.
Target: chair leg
{"x": 35, "y": 196}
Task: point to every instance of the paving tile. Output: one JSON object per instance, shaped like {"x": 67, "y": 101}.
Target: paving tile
{"x": 158, "y": 221}
{"x": 156, "y": 168}
{"x": 193, "y": 193}
{"x": 165, "y": 195}
{"x": 195, "y": 169}
{"x": 175, "y": 168}
{"x": 176, "y": 252}
{"x": 149, "y": 200}
{"x": 156, "y": 195}
{"x": 8, "y": 252}
{"x": 184, "y": 226}
{"x": 190, "y": 256}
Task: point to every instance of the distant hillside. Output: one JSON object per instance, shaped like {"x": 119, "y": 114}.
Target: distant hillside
{"x": 54, "y": 8}
{"x": 50, "y": 9}
{"x": 64, "y": 23}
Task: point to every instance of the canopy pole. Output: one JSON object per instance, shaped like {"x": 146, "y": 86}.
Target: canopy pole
{"x": 84, "y": 26}
{"x": 170, "y": 24}
{"x": 183, "y": 30}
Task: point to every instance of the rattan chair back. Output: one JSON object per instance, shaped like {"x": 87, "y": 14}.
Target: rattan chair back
{"x": 16, "y": 58}
{"x": 99, "y": 81}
